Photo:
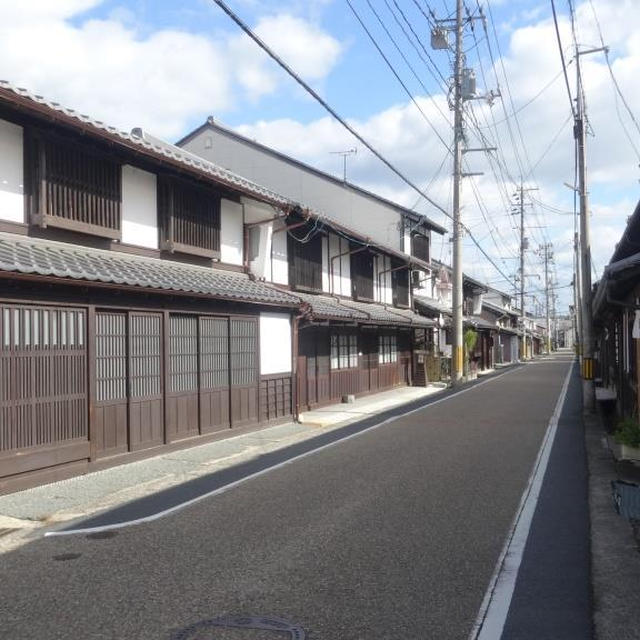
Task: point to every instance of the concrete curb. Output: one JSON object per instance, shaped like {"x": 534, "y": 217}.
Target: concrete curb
{"x": 615, "y": 561}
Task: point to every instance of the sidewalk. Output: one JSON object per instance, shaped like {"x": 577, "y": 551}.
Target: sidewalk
{"x": 23, "y": 515}
{"x": 615, "y": 557}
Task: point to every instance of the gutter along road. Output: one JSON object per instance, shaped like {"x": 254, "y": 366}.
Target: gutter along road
{"x": 392, "y": 534}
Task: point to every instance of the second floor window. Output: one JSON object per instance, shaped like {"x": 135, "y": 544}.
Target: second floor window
{"x": 420, "y": 246}
{"x": 400, "y": 284}
{"x": 71, "y": 185}
{"x": 362, "y": 275}
{"x": 190, "y": 217}
{"x": 305, "y": 259}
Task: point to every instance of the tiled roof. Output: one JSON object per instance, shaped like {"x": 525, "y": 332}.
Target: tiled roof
{"x": 432, "y": 303}
{"x": 157, "y": 148}
{"x": 323, "y": 306}
{"x": 498, "y": 309}
{"x": 480, "y": 323}
{"x": 141, "y": 142}
{"x": 22, "y": 254}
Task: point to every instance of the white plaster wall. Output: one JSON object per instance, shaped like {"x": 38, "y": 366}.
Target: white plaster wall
{"x": 275, "y": 343}
{"x": 139, "y": 207}
{"x": 279, "y": 264}
{"x": 260, "y": 265}
{"x": 380, "y": 221}
{"x": 231, "y": 226}
{"x": 11, "y": 172}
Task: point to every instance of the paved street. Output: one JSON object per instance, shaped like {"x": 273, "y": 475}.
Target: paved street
{"x": 391, "y": 534}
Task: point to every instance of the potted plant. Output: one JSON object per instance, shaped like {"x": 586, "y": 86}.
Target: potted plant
{"x": 627, "y": 437}
{"x": 470, "y": 339}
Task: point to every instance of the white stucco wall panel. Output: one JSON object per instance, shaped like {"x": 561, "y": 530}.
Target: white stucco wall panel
{"x": 139, "y": 207}
{"x": 11, "y": 172}
{"x": 231, "y": 226}
{"x": 275, "y": 343}
{"x": 356, "y": 210}
{"x": 279, "y": 265}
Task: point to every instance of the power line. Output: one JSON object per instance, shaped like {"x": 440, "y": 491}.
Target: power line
{"x": 344, "y": 123}
{"x": 393, "y": 70}
{"x": 564, "y": 66}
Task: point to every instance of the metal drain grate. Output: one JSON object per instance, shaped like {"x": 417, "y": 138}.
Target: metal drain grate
{"x": 626, "y": 498}
{"x": 241, "y": 627}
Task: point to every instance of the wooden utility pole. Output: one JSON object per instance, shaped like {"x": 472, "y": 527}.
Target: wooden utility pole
{"x": 458, "y": 349}
{"x": 579, "y": 132}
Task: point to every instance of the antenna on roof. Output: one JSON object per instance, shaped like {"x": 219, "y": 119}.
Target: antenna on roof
{"x": 344, "y": 154}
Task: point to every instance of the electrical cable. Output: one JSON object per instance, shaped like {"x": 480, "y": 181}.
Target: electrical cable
{"x": 343, "y": 122}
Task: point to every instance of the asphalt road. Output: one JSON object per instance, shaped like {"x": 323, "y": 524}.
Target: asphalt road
{"x": 393, "y": 534}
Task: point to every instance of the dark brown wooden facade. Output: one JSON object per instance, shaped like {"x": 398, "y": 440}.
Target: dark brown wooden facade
{"x": 325, "y": 374}
{"x": 87, "y": 380}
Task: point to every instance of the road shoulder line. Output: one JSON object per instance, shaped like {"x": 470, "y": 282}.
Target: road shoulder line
{"x": 493, "y": 612}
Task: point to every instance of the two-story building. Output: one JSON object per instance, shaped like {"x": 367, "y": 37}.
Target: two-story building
{"x": 151, "y": 298}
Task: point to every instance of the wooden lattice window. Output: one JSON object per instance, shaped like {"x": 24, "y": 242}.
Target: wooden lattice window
{"x": 387, "y": 349}
{"x": 190, "y": 217}
{"x": 344, "y": 350}
{"x": 183, "y": 353}
{"x": 420, "y": 246}
{"x": 362, "y": 275}
{"x": 145, "y": 355}
{"x": 305, "y": 259}
{"x": 400, "y": 283}
{"x": 111, "y": 356}
{"x": 214, "y": 352}
{"x": 72, "y": 185}
{"x": 243, "y": 342}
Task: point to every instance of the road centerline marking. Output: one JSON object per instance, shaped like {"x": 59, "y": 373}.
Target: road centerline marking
{"x": 491, "y": 618}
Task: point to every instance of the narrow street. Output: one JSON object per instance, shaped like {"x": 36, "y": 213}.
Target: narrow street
{"x": 392, "y": 534}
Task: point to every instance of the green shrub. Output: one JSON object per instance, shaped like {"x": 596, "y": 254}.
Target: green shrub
{"x": 628, "y": 432}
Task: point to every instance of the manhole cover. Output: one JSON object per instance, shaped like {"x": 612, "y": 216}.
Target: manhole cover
{"x": 241, "y": 628}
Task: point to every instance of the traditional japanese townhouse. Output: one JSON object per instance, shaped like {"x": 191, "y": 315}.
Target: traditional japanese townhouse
{"x": 497, "y": 309}
{"x": 128, "y": 318}
{"x": 616, "y": 312}
{"x": 358, "y": 249}
{"x": 357, "y": 331}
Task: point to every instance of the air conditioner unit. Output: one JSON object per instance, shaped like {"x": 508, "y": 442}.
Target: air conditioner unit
{"x": 416, "y": 277}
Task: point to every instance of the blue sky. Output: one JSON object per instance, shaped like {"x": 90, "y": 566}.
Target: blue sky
{"x": 165, "y": 68}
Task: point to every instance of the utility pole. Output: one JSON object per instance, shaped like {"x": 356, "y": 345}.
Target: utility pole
{"x": 464, "y": 88}
{"x": 523, "y": 247}
{"x": 577, "y": 296}
{"x": 548, "y": 256}
{"x": 457, "y": 362}
{"x": 579, "y": 132}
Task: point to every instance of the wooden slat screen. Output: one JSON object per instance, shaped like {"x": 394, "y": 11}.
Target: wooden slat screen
{"x": 214, "y": 352}
{"x": 111, "y": 356}
{"x": 145, "y": 355}
{"x": 72, "y": 186}
{"x": 190, "y": 215}
{"x": 243, "y": 343}
{"x": 362, "y": 275}
{"x": 400, "y": 284}
{"x": 305, "y": 260}
{"x": 183, "y": 353}
{"x": 420, "y": 246}
{"x": 43, "y": 376}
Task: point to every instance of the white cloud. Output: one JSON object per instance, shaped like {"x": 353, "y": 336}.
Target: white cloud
{"x": 531, "y": 61}
{"x": 160, "y": 80}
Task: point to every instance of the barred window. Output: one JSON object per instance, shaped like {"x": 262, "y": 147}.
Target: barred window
{"x": 344, "y": 351}
{"x": 387, "y": 349}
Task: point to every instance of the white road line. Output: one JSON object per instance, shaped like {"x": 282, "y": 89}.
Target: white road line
{"x": 492, "y": 616}
{"x": 257, "y": 474}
